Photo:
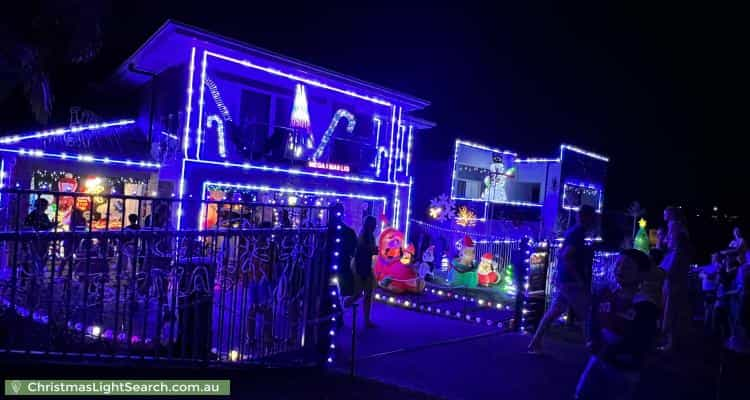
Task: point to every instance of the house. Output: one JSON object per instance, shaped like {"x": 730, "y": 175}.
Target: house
{"x": 213, "y": 118}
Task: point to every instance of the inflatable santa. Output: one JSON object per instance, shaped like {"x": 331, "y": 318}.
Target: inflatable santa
{"x": 487, "y": 271}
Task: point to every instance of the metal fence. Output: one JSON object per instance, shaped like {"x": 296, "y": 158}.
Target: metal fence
{"x": 244, "y": 286}
{"x": 504, "y": 249}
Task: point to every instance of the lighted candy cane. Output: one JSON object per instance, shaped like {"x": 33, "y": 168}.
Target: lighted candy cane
{"x": 340, "y": 113}
{"x": 216, "y": 95}
{"x": 219, "y": 133}
{"x": 382, "y": 152}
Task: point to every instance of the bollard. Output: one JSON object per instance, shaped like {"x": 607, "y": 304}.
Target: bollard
{"x": 354, "y": 338}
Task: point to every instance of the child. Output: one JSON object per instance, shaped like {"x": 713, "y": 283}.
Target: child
{"x": 623, "y": 329}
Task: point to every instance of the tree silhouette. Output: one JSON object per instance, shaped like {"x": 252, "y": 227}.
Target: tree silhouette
{"x": 37, "y": 37}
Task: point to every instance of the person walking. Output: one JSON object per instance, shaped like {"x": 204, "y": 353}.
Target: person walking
{"x": 676, "y": 264}
{"x": 575, "y": 261}
{"x": 362, "y": 271}
{"x": 623, "y": 331}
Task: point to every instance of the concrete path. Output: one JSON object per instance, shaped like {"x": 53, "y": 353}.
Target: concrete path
{"x": 459, "y": 360}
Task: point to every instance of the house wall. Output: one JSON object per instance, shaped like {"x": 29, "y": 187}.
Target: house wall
{"x": 248, "y": 111}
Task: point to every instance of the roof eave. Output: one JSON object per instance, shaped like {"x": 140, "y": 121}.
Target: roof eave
{"x": 170, "y": 26}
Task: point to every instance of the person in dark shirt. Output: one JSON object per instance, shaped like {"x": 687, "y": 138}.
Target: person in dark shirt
{"x": 39, "y": 221}
{"x": 37, "y": 218}
{"x": 623, "y": 331}
{"x": 364, "y": 277}
{"x": 575, "y": 261}
{"x": 134, "y": 225}
{"x": 78, "y": 221}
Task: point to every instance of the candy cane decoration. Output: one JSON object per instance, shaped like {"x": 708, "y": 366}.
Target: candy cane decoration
{"x": 219, "y": 133}
{"x": 340, "y": 113}
{"x": 382, "y": 152}
{"x": 216, "y": 95}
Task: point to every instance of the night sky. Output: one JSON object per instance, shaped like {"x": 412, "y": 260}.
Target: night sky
{"x": 655, "y": 89}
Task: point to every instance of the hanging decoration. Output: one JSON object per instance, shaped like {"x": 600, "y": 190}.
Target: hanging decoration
{"x": 300, "y": 123}
{"x": 442, "y": 208}
{"x": 337, "y": 116}
{"x": 466, "y": 217}
{"x": 300, "y": 115}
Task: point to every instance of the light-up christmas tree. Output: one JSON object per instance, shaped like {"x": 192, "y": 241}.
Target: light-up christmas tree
{"x": 508, "y": 280}
{"x": 641, "y": 241}
{"x": 300, "y": 137}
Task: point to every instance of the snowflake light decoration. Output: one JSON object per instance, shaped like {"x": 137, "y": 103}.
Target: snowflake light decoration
{"x": 442, "y": 208}
{"x": 466, "y": 217}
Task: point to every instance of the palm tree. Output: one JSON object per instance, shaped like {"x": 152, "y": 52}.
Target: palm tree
{"x": 635, "y": 211}
{"x": 37, "y": 37}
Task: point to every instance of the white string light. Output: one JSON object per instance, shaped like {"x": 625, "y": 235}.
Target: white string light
{"x": 62, "y": 131}
{"x": 82, "y": 158}
{"x": 219, "y": 133}
{"x": 581, "y": 151}
{"x": 189, "y": 105}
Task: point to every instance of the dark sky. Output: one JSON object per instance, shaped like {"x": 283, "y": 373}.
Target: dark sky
{"x": 658, "y": 90}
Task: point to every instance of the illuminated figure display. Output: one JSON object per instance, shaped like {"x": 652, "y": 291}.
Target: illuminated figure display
{"x": 464, "y": 268}
{"x": 393, "y": 269}
{"x": 487, "y": 271}
{"x": 496, "y": 181}
{"x": 426, "y": 265}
